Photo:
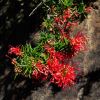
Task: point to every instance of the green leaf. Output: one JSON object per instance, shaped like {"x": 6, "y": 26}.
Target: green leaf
{"x": 66, "y": 41}
{"x": 81, "y": 8}
{"x": 67, "y": 2}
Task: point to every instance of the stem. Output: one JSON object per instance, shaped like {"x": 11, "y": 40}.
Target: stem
{"x": 36, "y": 8}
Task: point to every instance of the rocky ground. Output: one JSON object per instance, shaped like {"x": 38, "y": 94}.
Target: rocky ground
{"x": 88, "y": 87}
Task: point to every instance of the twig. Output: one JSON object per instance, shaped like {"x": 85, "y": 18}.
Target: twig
{"x": 41, "y": 3}
{"x": 36, "y": 8}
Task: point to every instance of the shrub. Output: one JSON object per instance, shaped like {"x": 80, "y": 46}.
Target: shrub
{"x": 50, "y": 58}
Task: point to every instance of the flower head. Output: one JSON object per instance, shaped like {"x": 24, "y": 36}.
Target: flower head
{"x": 64, "y": 77}
{"x": 15, "y": 50}
{"x": 79, "y": 42}
{"x": 41, "y": 71}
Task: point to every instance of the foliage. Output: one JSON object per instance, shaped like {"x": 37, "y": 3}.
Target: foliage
{"x": 66, "y": 3}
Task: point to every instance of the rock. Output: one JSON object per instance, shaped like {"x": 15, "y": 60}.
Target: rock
{"x": 91, "y": 60}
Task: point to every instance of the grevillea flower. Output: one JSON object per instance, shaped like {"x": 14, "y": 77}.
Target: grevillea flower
{"x": 42, "y": 68}
{"x": 53, "y": 65}
{"x": 64, "y": 77}
{"x": 57, "y": 19}
{"x": 61, "y": 74}
{"x": 41, "y": 71}
{"x": 79, "y": 42}
{"x": 67, "y": 14}
{"x": 36, "y": 74}
{"x": 15, "y": 50}
{"x": 55, "y": 54}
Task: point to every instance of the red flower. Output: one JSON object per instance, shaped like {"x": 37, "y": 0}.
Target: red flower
{"x": 67, "y": 14}
{"x": 36, "y": 74}
{"x": 61, "y": 74}
{"x": 15, "y": 50}
{"x": 54, "y": 54}
{"x": 53, "y": 65}
{"x": 79, "y": 42}
{"x": 42, "y": 68}
{"x": 57, "y": 19}
{"x": 41, "y": 71}
{"x": 64, "y": 77}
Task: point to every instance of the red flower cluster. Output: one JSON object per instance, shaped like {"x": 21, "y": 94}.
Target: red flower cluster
{"x": 65, "y": 27}
{"x": 15, "y": 50}
{"x": 59, "y": 55}
{"x": 41, "y": 71}
{"x": 66, "y": 16}
{"x": 62, "y": 23}
{"x": 79, "y": 42}
{"x": 61, "y": 74}
{"x": 64, "y": 77}
{"x": 57, "y": 65}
